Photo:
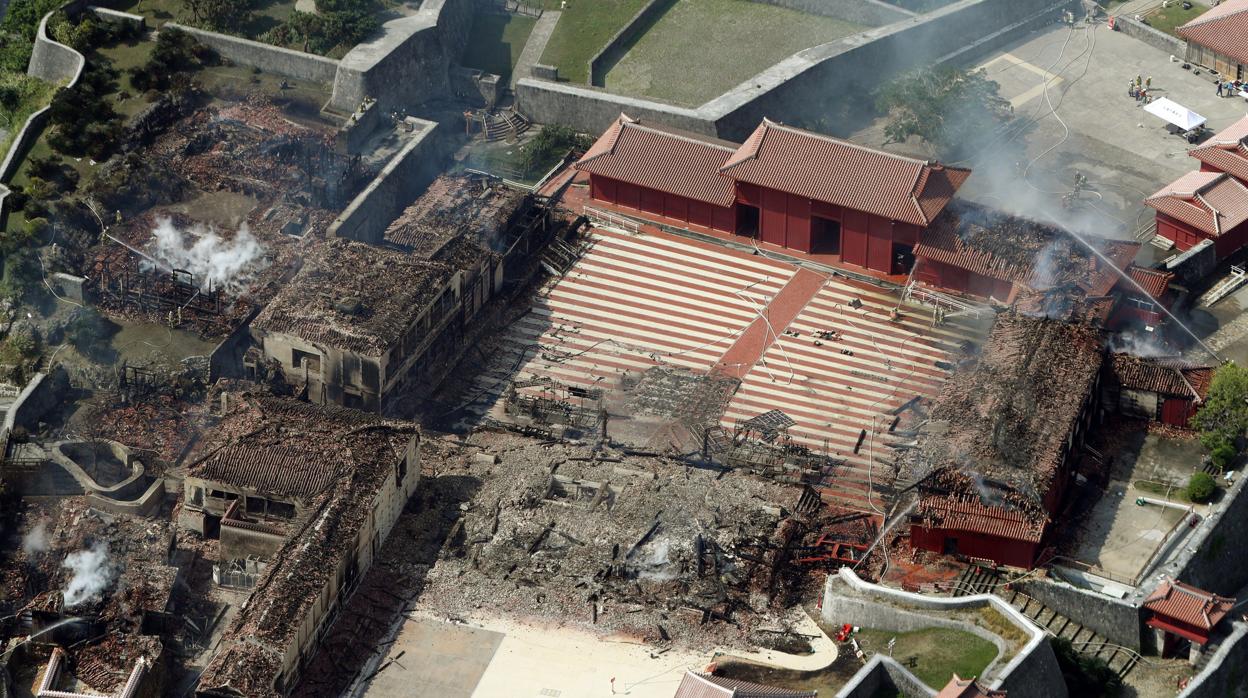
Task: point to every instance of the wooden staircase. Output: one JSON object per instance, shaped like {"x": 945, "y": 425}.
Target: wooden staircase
{"x": 980, "y": 579}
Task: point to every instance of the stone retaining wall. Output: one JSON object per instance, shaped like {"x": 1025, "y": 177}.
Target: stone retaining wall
{"x": 1227, "y": 670}
{"x": 1032, "y": 673}
{"x": 871, "y": 13}
{"x": 40, "y": 395}
{"x": 882, "y": 676}
{"x": 1119, "y": 621}
{"x": 799, "y": 89}
{"x": 409, "y": 62}
{"x": 1156, "y": 38}
{"x": 614, "y": 49}
{"x": 267, "y": 57}
{"x": 398, "y": 184}
{"x": 1211, "y": 558}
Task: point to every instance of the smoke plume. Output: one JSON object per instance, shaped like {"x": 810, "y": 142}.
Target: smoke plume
{"x": 1142, "y": 344}
{"x": 92, "y": 574}
{"x": 36, "y": 540}
{"x": 214, "y": 261}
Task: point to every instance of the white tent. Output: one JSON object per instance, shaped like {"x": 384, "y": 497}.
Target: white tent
{"x": 1175, "y": 113}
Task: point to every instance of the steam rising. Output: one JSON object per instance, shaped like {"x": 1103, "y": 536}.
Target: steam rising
{"x": 656, "y": 565}
{"x": 215, "y": 261}
{"x": 36, "y": 540}
{"x": 92, "y": 574}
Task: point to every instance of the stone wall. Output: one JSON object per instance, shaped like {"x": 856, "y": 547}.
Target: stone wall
{"x": 871, "y": 13}
{"x": 1032, "y": 673}
{"x": 1172, "y": 45}
{"x": 267, "y": 57}
{"x": 592, "y": 110}
{"x": 409, "y": 62}
{"x": 1195, "y": 264}
{"x": 799, "y": 89}
{"x": 615, "y": 48}
{"x": 52, "y": 61}
{"x": 119, "y": 17}
{"x": 1225, "y": 674}
{"x": 397, "y": 186}
{"x": 884, "y": 676}
{"x": 40, "y": 395}
{"x": 1211, "y": 558}
{"x": 1117, "y": 620}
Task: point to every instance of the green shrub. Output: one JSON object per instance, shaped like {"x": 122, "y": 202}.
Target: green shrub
{"x": 1087, "y": 677}
{"x": 1223, "y": 454}
{"x": 1201, "y": 487}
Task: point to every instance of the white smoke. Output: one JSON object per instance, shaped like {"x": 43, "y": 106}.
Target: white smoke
{"x": 36, "y": 540}
{"x": 215, "y": 261}
{"x": 1142, "y": 344}
{"x": 92, "y": 574}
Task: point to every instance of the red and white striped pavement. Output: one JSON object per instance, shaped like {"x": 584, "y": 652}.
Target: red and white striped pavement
{"x": 832, "y": 395}
{"x": 636, "y": 301}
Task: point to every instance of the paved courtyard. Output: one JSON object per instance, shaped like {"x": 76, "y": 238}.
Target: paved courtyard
{"x": 1087, "y": 124}
{"x": 1120, "y": 536}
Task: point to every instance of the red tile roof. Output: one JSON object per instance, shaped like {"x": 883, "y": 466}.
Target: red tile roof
{"x": 661, "y": 158}
{"x": 966, "y": 688}
{"x": 1223, "y": 29}
{"x": 1211, "y": 202}
{"x": 1187, "y": 604}
{"x": 1168, "y": 376}
{"x": 967, "y": 513}
{"x": 1154, "y": 282}
{"x": 839, "y": 172}
{"x": 1226, "y": 151}
{"x": 695, "y": 685}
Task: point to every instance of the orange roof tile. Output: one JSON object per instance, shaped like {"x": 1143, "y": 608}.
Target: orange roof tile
{"x": 966, "y": 513}
{"x": 1212, "y": 202}
{"x": 1168, "y": 376}
{"x": 1223, "y": 29}
{"x": 1226, "y": 151}
{"x": 1185, "y": 603}
{"x": 1154, "y": 282}
{"x": 846, "y": 174}
{"x": 661, "y": 158}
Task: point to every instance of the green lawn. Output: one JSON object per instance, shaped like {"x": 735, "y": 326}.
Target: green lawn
{"x": 583, "y": 29}
{"x": 933, "y": 654}
{"x": 33, "y": 95}
{"x": 702, "y": 48}
{"x": 1170, "y": 18}
{"x": 495, "y": 43}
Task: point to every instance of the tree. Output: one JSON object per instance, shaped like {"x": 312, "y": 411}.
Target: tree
{"x": 948, "y": 108}
{"x": 1201, "y": 487}
{"x": 1223, "y": 417}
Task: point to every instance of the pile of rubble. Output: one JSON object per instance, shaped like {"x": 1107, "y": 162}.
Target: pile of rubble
{"x": 642, "y": 546}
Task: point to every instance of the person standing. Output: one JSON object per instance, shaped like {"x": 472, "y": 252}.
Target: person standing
{"x": 1219, "y": 82}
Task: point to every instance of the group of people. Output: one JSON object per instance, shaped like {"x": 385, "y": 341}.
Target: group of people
{"x": 1139, "y": 88}
{"x": 1229, "y": 88}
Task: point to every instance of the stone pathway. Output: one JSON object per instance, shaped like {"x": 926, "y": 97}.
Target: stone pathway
{"x": 534, "y": 47}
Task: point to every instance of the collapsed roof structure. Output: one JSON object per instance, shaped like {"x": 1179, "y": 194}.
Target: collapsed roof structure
{"x": 355, "y": 471}
{"x": 991, "y": 254}
{"x": 994, "y": 462}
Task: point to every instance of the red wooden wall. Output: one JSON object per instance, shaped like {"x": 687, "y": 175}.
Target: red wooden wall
{"x": 1001, "y": 550}
{"x": 1186, "y": 236}
{"x": 664, "y": 205}
{"x": 947, "y": 276}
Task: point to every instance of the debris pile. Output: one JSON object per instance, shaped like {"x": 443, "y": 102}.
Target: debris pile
{"x": 637, "y": 545}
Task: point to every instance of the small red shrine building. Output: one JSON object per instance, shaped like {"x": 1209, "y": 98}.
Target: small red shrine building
{"x": 1203, "y": 205}
{"x": 785, "y": 186}
{"x": 1177, "y": 610}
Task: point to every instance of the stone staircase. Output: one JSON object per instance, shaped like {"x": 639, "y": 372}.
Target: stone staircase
{"x": 980, "y": 579}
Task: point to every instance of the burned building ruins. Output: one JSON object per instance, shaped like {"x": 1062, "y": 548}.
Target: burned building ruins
{"x": 302, "y": 497}
{"x": 996, "y": 459}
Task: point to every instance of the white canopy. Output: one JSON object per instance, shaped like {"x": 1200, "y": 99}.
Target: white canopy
{"x": 1175, "y": 113}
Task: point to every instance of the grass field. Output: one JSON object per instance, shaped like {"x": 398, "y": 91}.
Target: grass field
{"x": 583, "y": 29}
{"x": 495, "y": 43}
{"x": 933, "y": 654}
{"x": 1167, "y": 19}
{"x": 702, "y": 48}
